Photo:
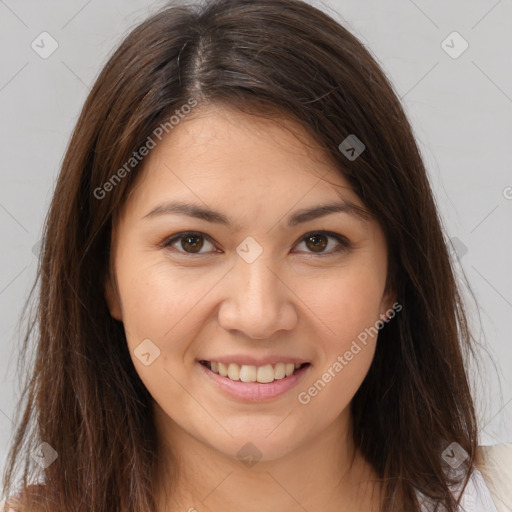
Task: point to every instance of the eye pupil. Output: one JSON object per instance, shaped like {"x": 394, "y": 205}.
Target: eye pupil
{"x": 196, "y": 245}
{"x": 318, "y": 244}
{"x": 192, "y": 243}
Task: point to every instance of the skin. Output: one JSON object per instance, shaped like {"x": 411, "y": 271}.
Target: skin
{"x": 291, "y": 300}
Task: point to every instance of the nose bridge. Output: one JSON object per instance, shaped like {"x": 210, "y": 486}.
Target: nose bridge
{"x": 257, "y": 304}
{"x": 259, "y": 286}
{"x": 253, "y": 272}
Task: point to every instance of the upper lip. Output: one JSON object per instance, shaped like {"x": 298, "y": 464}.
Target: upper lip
{"x": 254, "y": 361}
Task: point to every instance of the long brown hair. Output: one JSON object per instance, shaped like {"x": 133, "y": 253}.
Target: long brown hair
{"x": 83, "y": 396}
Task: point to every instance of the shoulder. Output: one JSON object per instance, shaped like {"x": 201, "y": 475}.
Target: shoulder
{"x": 495, "y": 465}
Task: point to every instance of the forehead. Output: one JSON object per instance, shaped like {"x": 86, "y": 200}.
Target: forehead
{"x": 218, "y": 155}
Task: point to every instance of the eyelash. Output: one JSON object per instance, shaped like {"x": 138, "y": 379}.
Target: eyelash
{"x": 344, "y": 243}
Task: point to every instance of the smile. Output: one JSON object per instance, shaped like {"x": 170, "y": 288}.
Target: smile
{"x": 250, "y": 373}
{"x": 251, "y": 383}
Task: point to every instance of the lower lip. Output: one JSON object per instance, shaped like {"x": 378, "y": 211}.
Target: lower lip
{"x": 254, "y": 391}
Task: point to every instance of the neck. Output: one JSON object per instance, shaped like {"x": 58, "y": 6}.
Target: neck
{"x": 325, "y": 473}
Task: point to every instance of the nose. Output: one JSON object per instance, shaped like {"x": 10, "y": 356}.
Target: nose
{"x": 257, "y": 303}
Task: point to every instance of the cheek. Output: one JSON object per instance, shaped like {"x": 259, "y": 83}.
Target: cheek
{"x": 347, "y": 307}
{"x": 159, "y": 316}
{"x": 158, "y": 303}
{"x": 331, "y": 389}
{"x": 345, "y": 303}
{"x": 345, "y": 349}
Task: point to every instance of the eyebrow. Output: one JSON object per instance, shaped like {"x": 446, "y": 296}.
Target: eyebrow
{"x": 298, "y": 217}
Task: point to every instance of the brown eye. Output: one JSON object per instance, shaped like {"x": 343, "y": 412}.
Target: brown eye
{"x": 317, "y": 242}
{"x": 192, "y": 243}
{"x": 188, "y": 243}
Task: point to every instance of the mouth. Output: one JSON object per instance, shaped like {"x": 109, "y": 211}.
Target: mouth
{"x": 251, "y": 383}
{"x": 247, "y": 373}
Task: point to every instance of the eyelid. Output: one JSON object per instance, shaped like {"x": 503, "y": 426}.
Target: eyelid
{"x": 344, "y": 243}
{"x": 175, "y": 238}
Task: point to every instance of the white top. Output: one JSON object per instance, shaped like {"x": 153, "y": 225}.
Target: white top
{"x": 495, "y": 465}
{"x": 490, "y": 486}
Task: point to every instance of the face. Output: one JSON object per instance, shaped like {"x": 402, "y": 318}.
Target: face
{"x": 254, "y": 289}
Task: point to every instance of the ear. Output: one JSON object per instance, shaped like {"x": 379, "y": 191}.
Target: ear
{"x": 112, "y": 297}
{"x": 388, "y": 300}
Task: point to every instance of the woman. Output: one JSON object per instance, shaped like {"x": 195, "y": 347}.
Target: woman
{"x": 246, "y": 298}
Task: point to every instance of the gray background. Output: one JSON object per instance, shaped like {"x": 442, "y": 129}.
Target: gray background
{"x": 460, "y": 109}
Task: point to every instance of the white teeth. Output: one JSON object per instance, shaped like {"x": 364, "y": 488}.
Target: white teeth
{"x": 234, "y": 371}
{"x": 265, "y": 374}
{"x": 223, "y": 370}
{"x": 279, "y": 371}
{"x": 249, "y": 373}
